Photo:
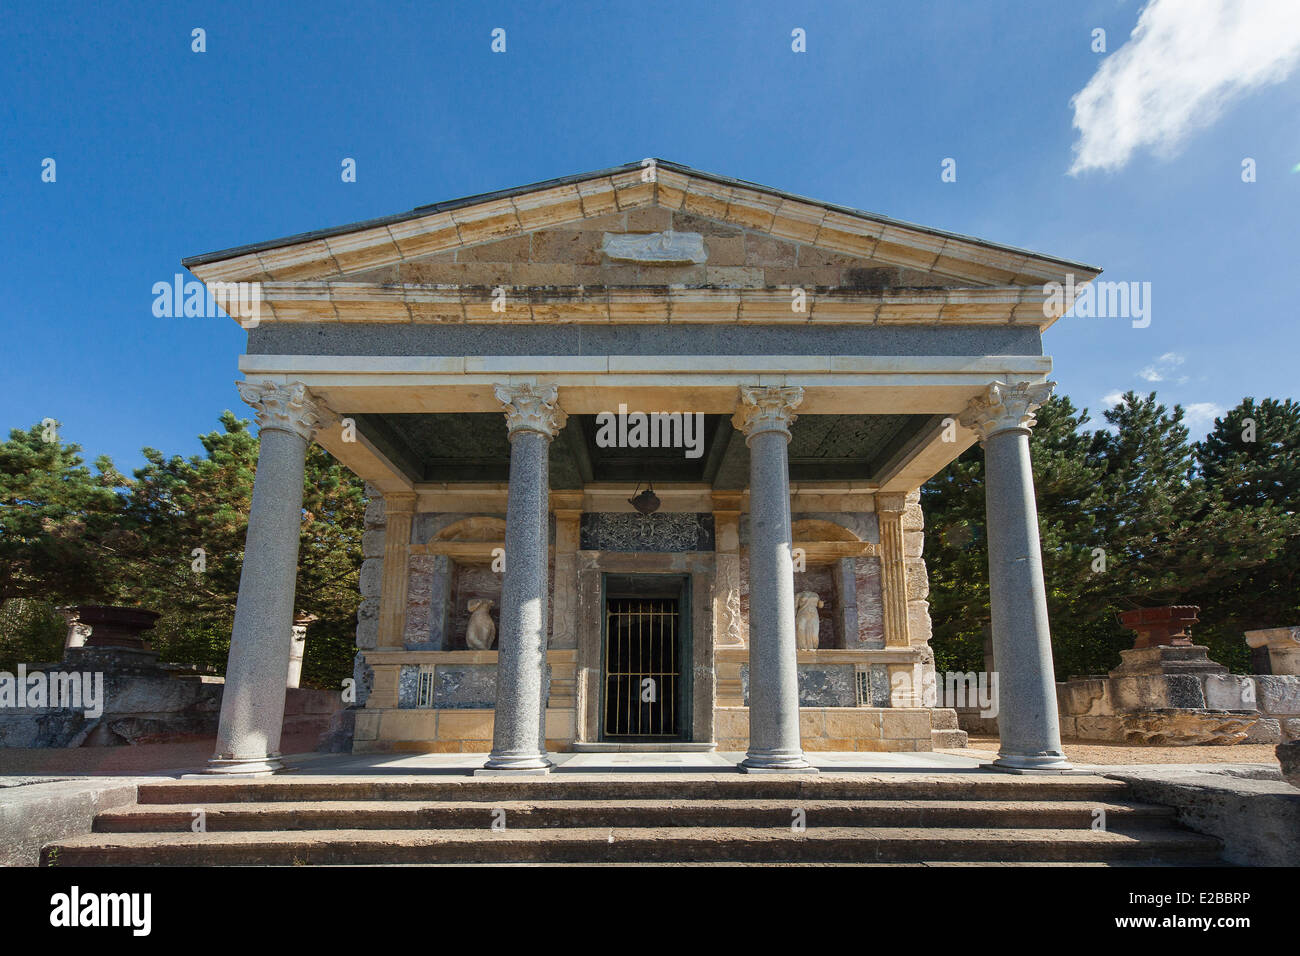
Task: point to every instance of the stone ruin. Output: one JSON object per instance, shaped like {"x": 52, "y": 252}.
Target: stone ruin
{"x": 1167, "y": 691}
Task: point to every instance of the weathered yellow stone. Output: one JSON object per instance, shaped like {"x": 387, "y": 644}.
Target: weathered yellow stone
{"x": 597, "y": 197}
{"x": 905, "y": 723}
{"x": 812, "y": 722}
{"x": 463, "y": 724}
{"x": 852, "y": 722}
{"x": 428, "y": 234}
{"x": 485, "y": 221}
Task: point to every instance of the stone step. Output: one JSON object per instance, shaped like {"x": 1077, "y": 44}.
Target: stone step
{"x": 647, "y": 845}
{"x": 943, "y": 718}
{"x": 560, "y": 786}
{"x": 411, "y": 815}
{"x": 949, "y": 739}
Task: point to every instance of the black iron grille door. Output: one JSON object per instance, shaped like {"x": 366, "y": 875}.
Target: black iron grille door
{"x": 641, "y": 667}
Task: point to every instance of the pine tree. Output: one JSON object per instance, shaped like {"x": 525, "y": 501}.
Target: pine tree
{"x": 1251, "y": 459}
{"x": 58, "y": 519}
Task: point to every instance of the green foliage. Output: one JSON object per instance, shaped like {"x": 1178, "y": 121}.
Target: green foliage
{"x": 31, "y": 632}
{"x": 1251, "y": 457}
{"x": 58, "y": 527}
{"x": 172, "y": 539}
{"x": 1129, "y": 516}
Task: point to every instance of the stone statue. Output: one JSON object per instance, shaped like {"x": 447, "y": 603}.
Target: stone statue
{"x": 480, "y": 632}
{"x": 806, "y": 622}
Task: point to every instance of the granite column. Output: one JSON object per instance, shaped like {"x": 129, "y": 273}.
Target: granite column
{"x": 533, "y": 418}
{"x": 1028, "y": 725}
{"x": 765, "y": 415}
{"x": 257, "y": 671}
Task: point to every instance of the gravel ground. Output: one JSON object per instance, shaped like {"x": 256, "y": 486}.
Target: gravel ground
{"x": 1081, "y": 752}
{"x": 191, "y": 754}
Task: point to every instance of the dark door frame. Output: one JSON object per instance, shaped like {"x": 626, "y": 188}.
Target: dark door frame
{"x": 616, "y": 585}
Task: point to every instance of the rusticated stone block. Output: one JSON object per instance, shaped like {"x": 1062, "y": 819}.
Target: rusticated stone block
{"x": 1083, "y": 697}
{"x": 368, "y": 623}
{"x": 918, "y": 581}
{"x": 1099, "y": 728}
{"x": 374, "y": 509}
{"x": 1288, "y": 755}
{"x": 1278, "y": 693}
{"x": 1182, "y": 727}
{"x": 913, "y": 544}
{"x": 372, "y": 543}
{"x": 918, "y": 622}
{"x": 370, "y": 580}
{"x": 1229, "y": 692}
{"x": 1266, "y": 730}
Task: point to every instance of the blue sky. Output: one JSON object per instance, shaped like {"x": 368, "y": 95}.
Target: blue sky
{"x": 163, "y": 153}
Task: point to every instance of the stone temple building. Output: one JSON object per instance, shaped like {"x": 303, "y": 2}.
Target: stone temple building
{"x": 769, "y": 378}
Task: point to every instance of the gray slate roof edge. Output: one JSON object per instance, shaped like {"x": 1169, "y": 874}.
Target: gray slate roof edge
{"x": 478, "y": 198}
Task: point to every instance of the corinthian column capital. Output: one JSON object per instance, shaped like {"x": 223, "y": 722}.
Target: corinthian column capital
{"x": 530, "y": 407}
{"x": 290, "y": 408}
{"x": 767, "y": 408}
{"x": 1004, "y": 407}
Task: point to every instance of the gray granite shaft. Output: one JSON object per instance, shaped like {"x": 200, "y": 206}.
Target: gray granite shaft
{"x": 518, "y": 739}
{"x": 1028, "y": 724}
{"x": 773, "y": 667}
{"x": 252, "y": 704}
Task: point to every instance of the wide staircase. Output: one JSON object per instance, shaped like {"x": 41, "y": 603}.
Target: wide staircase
{"x": 626, "y": 818}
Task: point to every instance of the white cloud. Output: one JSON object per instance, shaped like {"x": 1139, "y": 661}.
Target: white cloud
{"x": 1111, "y": 399}
{"x": 1199, "y": 417}
{"x": 1185, "y": 61}
{"x": 1158, "y": 370}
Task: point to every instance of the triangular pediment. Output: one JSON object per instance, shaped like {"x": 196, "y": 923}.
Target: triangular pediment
{"x": 661, "y": 225}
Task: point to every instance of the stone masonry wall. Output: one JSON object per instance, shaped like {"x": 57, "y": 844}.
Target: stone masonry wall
{"x": 737, "y": 258}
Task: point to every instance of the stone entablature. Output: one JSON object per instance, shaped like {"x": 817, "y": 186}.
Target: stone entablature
{"x": 357, "y": 303}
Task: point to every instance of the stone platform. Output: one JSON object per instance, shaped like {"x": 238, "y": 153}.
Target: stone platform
{"x": 908, "y": 816}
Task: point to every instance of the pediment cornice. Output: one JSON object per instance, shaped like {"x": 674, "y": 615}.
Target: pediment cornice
{"x": 429, "y": 230}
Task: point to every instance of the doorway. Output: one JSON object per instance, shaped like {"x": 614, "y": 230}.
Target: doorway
{"x": 646, "y": 658}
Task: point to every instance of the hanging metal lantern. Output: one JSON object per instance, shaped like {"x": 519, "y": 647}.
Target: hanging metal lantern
{"x": 647, "y": 502}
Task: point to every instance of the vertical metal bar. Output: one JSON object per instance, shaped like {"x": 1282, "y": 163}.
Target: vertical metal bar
{"x": 672, "y": 664}
{"x": 614, "y": 662}
{"x": 665, "y": 665}
{"x": 640, "y": 667}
